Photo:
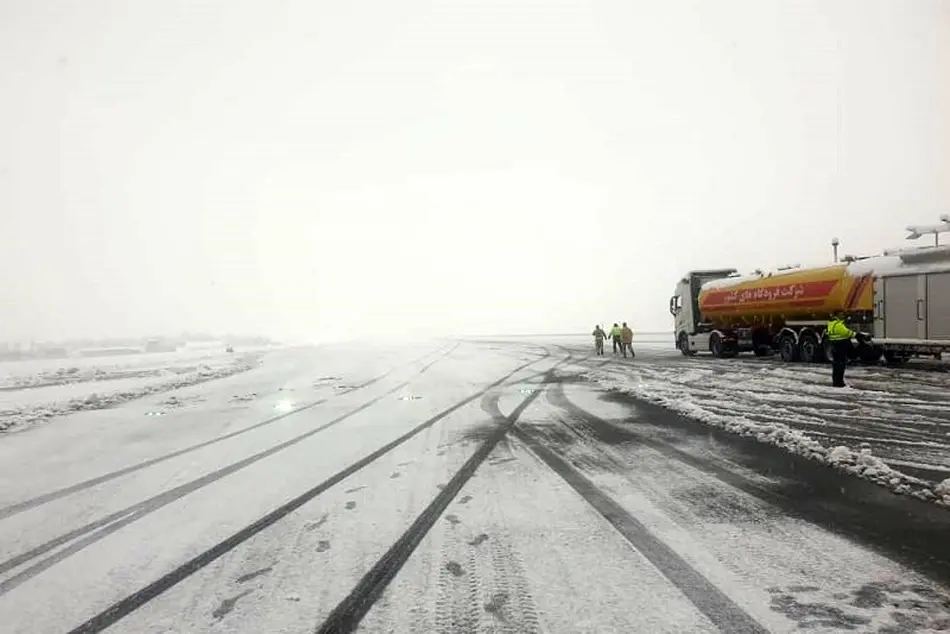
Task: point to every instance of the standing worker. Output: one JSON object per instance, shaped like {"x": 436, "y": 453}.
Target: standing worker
{"x": 626, "y": 340}
{"x": 599, "y": 336}
{"x": 615, "y": 337}
{"x": 840, "y": 337}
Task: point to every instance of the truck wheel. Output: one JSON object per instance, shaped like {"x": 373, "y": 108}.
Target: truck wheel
{"x": 871, "y": 355}
{"x": 788, "y": 349}
{"x": 716, "y": 346}
{"x": 682, "y": 343}
{"x": 811, "y": 350}
{"x": 894, "y": 359}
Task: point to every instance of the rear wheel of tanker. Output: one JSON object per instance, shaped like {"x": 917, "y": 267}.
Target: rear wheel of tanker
{"x": 894, "y": 359}
{"x": 761, "y": 345}
{"x": 870, "y": 355}
{"x": 811, "y": 350}
{"x": 788, "y": 349}
{"x": 716, "y": 346}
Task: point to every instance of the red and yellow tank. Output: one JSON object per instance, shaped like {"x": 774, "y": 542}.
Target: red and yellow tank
{"x": 813, "y": 293}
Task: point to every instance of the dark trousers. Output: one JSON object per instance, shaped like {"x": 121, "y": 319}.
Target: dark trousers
{"x": 616, "y": 344}
{"x": 599, "y": 346}
{"x": 839, "y": 360}
{"x": 628, "y": 346}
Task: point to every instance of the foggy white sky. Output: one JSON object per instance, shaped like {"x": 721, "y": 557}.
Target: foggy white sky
{"x": 326, "y": 169}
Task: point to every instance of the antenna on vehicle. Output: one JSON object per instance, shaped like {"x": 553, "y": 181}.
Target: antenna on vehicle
{"x": 834, "y": 247}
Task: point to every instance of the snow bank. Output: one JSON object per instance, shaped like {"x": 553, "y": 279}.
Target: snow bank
{"x": 39, "y": 373}
{"x": 15, "y": 417}
{"x": 943, "y": 491}
{"x": 74, "y": 374}
{"x": 861, "y": 463}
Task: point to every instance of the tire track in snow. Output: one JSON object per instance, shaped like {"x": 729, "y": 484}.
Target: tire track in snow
{"x": 491, "y": 593}
{"x": 885, "y": 420}
{"x": 25, "y": 505}
{"x": 903, "y": 529}
{"x": 346, "y": 616}
{"x": 88, "y": 534}
{"x": 708, "y": 598}
{"x": 456, "y": 599}
{"x": 509, "y": 601}
{"x": 132, "y": 602}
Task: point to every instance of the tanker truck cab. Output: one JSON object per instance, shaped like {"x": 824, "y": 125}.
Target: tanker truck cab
{"x": 690, "y": 334}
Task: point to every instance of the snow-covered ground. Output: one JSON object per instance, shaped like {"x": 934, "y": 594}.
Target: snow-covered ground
{"x": 444, "y": 487}
{"x": 892, "y": 426}
{"x": 40, "y": 389}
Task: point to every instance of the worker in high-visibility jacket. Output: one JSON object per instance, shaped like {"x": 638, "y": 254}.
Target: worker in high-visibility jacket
{"x": 626, "y": 340}
{"x": 615, "y": 337}
{"x": 840, "y": 337}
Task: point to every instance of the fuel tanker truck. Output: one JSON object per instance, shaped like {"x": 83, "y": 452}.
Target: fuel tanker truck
{"x": 900, "y": 298}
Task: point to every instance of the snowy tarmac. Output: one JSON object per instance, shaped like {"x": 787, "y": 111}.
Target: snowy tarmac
{"x": 477, "y": 486}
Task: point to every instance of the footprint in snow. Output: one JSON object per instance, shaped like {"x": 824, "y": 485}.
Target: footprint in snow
{"x": 355, "y": 489}
{"x": 254, "y": 575}
{"x": 394, "y": 475}
{"x": 350, "y": 505}
{"x": 453, "y": 519}
{"x": 479, "y": 540}
{"x": 312, "y": 526}
{"x": 323, "y": 546}
{"x": 228, "y": 605}
{"x": 466, "y": 499}
{"x": 454, "y": 568}
{"x": 498, "y": 601}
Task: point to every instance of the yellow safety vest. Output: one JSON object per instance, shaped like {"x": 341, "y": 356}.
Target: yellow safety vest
{"x": 837, "y": 331}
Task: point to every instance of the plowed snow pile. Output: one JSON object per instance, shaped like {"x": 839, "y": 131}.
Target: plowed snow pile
{"x": 892, "y": 427}
{"x": 84, "y": 384}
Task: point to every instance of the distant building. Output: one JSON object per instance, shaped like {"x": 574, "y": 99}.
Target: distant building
{"x": 158, "y": 345}
{"x": 109, "y": 352}
{"x": 52, "y": 352}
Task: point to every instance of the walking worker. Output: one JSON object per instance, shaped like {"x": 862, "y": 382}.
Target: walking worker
{"x": 626, "y": 340}
{"x": 599, "y": 336}
{"x": 840, "y": 337}
{"x": 615, "y": 337}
